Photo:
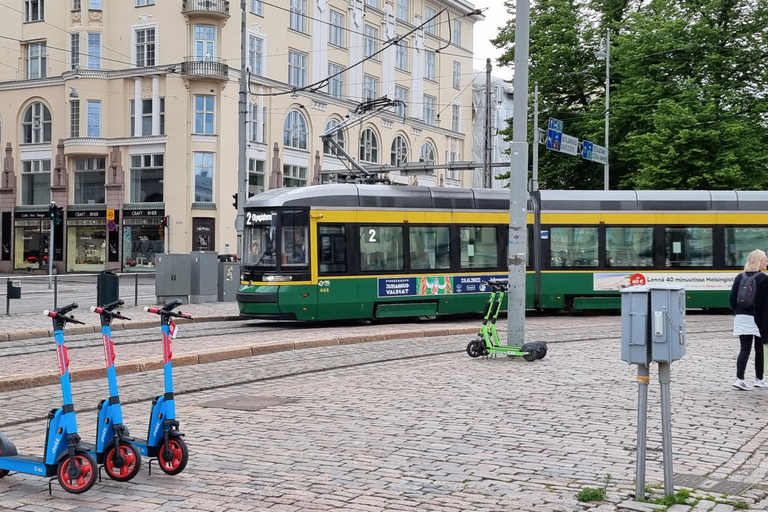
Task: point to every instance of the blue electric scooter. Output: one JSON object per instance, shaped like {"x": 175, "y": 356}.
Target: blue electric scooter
{"x": 164, "y": 440}
{"x": 64, "y": 456}
{"x": 114, "y": 449}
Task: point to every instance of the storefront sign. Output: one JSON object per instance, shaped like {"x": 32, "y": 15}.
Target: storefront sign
{"x": 31, "y": 215}
{"x": 86, "y": 215}
{"x": 144, "y": 213}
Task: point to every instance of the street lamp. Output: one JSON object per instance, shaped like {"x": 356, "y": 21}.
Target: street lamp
{"x": 605, "y": 53}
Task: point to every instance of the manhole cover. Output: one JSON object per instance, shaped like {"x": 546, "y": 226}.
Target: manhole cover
{"x": 248, "y": 403}
{"x": 715, "y": 485}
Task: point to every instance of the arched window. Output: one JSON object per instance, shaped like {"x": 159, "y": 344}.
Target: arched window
{"x": 36, "y": 124}
{"x": 427, "y": 154}
{"x": 399, "y": 154}
{"x": 295, "y": 130}
{"x": 338, "y": 135}
{"x": 369, "y": 146}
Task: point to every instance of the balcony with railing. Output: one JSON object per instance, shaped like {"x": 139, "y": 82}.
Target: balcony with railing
{"x": 206, "y": 68}
{"x": 217, "y": 8}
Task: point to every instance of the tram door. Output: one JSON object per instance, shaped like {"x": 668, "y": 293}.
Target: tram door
{"x": 336, "y": 294}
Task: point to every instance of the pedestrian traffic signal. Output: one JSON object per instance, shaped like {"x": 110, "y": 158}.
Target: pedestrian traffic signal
{"x": 52, "y": 211}
{"x": 164, "y": 222}
{"x": 234, "y": 196}
{"x": 56, "y": 213}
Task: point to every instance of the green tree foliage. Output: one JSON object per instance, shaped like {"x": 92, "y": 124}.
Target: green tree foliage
{"x": 688, "y": 100}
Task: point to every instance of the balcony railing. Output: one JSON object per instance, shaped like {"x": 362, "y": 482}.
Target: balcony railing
{"x": 212, "y": 7}
{"x": 208, "y": 67}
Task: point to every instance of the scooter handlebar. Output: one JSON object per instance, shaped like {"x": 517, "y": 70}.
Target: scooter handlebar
{"x": 105, "y": 311}
{"x": 68, "y": 319}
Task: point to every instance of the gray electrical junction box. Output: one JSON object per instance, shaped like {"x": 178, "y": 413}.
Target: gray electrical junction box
{"x": 653, "y": 324}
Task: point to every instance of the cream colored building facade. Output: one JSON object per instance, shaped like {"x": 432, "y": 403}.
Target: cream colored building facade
{"x": 125, "y": 113}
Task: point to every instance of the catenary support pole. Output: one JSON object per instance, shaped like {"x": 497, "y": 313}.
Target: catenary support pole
{"x": 665, "y": 376}
{"x": 518, "y": 180}
{"x": 535, "y": 181}
{"x": 642, "y": 422}
{"x": 606, "y": 167}
{"x": 488, "y": 155}
{"x": 242, "y": 162}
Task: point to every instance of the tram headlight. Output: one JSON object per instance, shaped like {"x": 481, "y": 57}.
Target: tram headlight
{"x": 275, "y": 279}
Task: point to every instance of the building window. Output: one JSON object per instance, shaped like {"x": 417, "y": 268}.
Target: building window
{"x": 141, "y": 3}
{"x": 146, "y": 118}
{"x": 294, "y": 176}
{"x": 258, "y": 123}
{"x": 36, "y": 124}
{"x": 298, "y": 19}
{"x": 371, "y": 40}
{"x": 34, "y": 10}
{"x": 205, "y": 42}
{"x": 256, "y": 176}
{"x": 456, "y": 117}
{"x": 203, "y": 177}
{"x": 204, "y": 115}
{"x": 335, "y": 80}
{"x": 429, "y": 65}
{"x": 89, "y": 180}
{"x": 427, "y": 153}
{"x": 401, "y": 108}
{"x": 370, "y": 87}
{"x": 295, "y": 130}
{"x": 257, "y": 7}
{"x": 94, "y": 50}
{"x": 95, "y": 5}
{"x": 74, "y": 118}
{"x": 147, "y": 178}
{"x": 297, "y": 68}
{"x": 429, "y": 109}
{"x": 256, "y": 55}
{"x": 338, "y": 136}
{"x": 93, "y": 121}
{"x": 74, "y": 50}
{"x": 36, "y": 61}
{"x": 429, "y": 17}
{"x": 402, "y": 10}
{"x": 456, "y": 75}
{"x": 372, "y": 3}
{"x": 75, "y": 5}
{"x": 457, "y": 32}
{"x": 35, "y": 182}
{"x": 146, "y": 49}
{"x": 399, "y": 151}
{"x": 401, "y": 56}
{"x": 369, "y": 146}
{"x": 336, "y": 32}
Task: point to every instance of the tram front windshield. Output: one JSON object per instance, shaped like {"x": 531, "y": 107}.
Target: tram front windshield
{"x": 277, "y": 239}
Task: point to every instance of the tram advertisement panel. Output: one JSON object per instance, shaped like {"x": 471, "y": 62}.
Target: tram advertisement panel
{"x": 434, "y": 285}
{"x": 711, "y": 281}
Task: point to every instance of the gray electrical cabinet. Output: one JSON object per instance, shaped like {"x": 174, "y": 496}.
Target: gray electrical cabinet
{"x": 229, "y": 281}
{"x": 172, "y": 277}
{"x": 652, "y": 324}
{"x": 205, "y": 278}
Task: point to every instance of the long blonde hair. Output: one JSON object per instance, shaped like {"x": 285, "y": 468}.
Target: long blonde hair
{"x": 753, "y": 261}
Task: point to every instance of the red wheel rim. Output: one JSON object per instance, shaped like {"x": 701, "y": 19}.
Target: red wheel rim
{"x": 130, "y": 462}
{"x": 85, "y": 473}
{"x": 176, "y": 455}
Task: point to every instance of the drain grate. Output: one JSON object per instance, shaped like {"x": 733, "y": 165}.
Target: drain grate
{"x": 711, "y": 484}
{"x": 248, "y": 403}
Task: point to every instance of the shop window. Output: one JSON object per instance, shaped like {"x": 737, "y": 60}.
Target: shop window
{"x": 31, "y": 244}
{"x": 143, "y": 238}
{"x": 86, "y": 245}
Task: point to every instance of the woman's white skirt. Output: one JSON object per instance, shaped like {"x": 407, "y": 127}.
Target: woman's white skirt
{"x": 745, "y": 324}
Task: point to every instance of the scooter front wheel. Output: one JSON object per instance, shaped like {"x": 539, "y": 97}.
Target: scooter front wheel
{"x": 174, "y": 460}
{"x": 474, "y": 349}
{"x": 131, "y": 463}
{"x": 87, "y": 477}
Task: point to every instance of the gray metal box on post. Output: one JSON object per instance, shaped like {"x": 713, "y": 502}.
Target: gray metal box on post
{"x": 667, "y": 323}
{"x": 635, "y": 325}
{"x": 205, "y": 278}
{"x": 172, "y": 277}
{"x": 229, "y": 280}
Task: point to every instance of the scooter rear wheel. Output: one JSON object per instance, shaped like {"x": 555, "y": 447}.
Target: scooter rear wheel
{"x": 179, "y": 455}
{"x": 87, "y": 477}
{"x": 531, "y": 351}
{"x": 7, "y": 449}
{"x": 130, "y": 467}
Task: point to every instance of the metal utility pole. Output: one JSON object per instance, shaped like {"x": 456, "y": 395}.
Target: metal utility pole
{"x": 518, "y": 180}
{"x": 487, "y": 175}
{"x": 52, "y": 209}
{"x": 607, "y": 56}
{"x": 535, "y": 181}
{"x": 242, "y": 161}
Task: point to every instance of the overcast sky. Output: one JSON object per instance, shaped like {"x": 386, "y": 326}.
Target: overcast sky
{"x": 495, "y": 16}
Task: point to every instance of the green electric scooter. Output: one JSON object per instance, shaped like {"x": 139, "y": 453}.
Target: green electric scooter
{"x": 487, "y": 342}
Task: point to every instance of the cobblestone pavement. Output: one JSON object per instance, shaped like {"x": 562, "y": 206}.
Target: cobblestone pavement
{"x": 413, "y": 423}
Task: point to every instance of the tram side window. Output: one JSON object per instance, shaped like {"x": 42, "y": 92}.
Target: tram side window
{"x": 479, "y": 247}
{"x": 629, "y": 247}
{"x": 430, "y": 247}
{"x": 333, "y": 248}
{"x": 573, "y": 247}
{"x": 381, "y": 248}
{"x": 739, "y": 242}
{"x": 294, "y": 228}
{"x": 689, "y": 247}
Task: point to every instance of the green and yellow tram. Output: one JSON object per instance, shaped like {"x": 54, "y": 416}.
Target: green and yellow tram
{"x": 346, "y": 251}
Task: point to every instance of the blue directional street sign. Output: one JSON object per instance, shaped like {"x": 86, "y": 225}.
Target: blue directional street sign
{"x": 586, "y": 150}
{"x": 554, "y": 134}
{"x": 555, "y": 124}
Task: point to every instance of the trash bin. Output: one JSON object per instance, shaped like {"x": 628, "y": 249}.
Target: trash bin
{"x": 13, "y": 289}
{"x": 107, "y": 288}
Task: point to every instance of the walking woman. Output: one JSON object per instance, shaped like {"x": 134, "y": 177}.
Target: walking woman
{"x": 742, "y": 301}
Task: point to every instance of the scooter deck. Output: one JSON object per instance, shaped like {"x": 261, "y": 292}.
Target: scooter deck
{"x": 27, "y": 464}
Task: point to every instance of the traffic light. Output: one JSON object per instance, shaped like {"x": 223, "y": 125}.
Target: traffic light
{"x": 164, "y": 222}
{"x": 52, "y": 211}
{"x": 58, "y": 215}
{"x": 234, "y": 196}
